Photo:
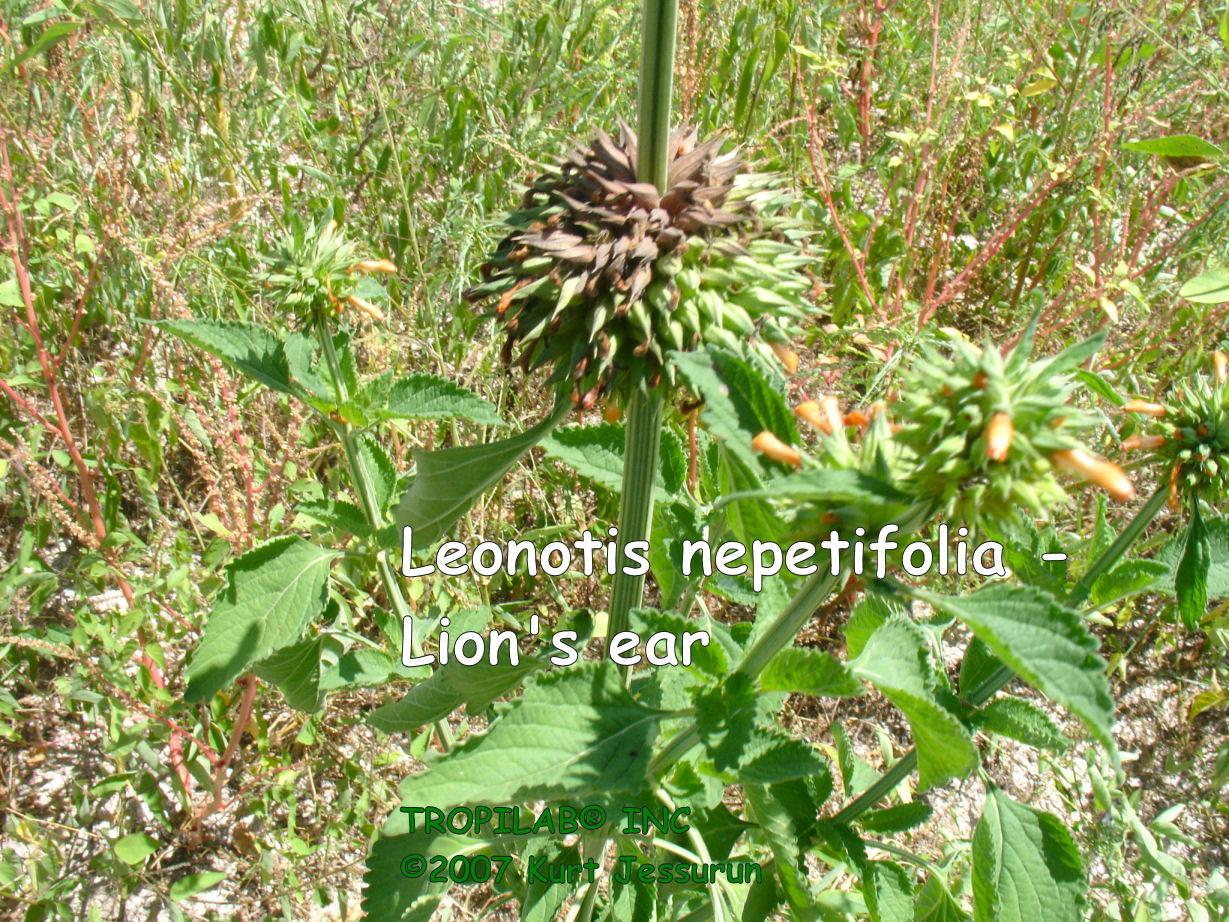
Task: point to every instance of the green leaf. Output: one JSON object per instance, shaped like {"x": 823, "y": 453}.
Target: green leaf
{"x": 727, "y": 717}
{"x": 430, "y": 700}
{"x": 936, "y": 904}
{"x": 1191, "y": 579}
{"x": 10, "y": 294}
{"x": 762, "y": 900}
{"x": 361, "y": 668}
{"x": 1218, "y": 568}
{"x": 296, "y": 671}
{"x": 446, "y": 690}
{"x": 978, "y": 665}
{"x": 1073, "y": 356}
{"x": 303, "y": 359}
{"x": 1043, "y": 642}
{"x": 337, "y": 514}
{"x": 786, "y": 817}
{"x": 738, "y": 403}
{"x": 1131, "y": 577}
{"x": 673, "y": 524}
{"x": 271, "y": 594}
{"x": 710, "y": 659}
{"x": 1024, "y": 546}
{"x": 1211, "y": 287}
{"x": 898, "y": 818}
{"x": 52, "y": 35}
{"x": 543, "y": 900}
{"x": 871, "y": 611}
{"x": 772, "y": 757}
{"x": 748, "y": 519}
{"x": 1151, "y": 854}
{"x": 673, "y": 459}
{"x": 803, "y": 671}
{"x": 849, "y": 487}
{"x": 448, "y": 481}
{"x": 135, "y": 848}
{"x": 192, "y": 884}
{"x": 596, "y": 452}
{"x": 427, "y": 396}
{"x": 1020, "y": 720}
{"x": 895, "y": 660}
{"x": 389, "y": 895}
{"x": 1175, "y": 145}
{"x": 122, "y": 9}
{"x": 379, "y": 466}
{"x": 856, "y": 773}
{"x": 888, "y": 891}
{"x": 248, "y": 348}
{"x": 1095, "y": 382}
{"x": 455, "y": 684}
{"x": 1026, "y": 866}
{"x": 632, "y": 901}
{"x": 574, "y": 733}
{"x": 720, "y": 829}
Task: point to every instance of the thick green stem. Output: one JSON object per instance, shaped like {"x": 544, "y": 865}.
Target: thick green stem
{"x": 642, "y": 442}
{"x": 785, "y": 627}
{"x": 1001, "y": 676}
{"x": 657, "y": 37}
{"x": 371, "y": 508}
{"x": 1122, "y": 543}
{"x": 642, "y": 445}
{"x": 592, "y": 848}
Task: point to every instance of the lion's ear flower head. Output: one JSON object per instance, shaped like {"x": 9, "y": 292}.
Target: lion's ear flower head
{"x": 973, "y": 435}
{"x": 1188, "y": 434}
{"x": 601, "y": 275}
{"x": 317, "y": 273}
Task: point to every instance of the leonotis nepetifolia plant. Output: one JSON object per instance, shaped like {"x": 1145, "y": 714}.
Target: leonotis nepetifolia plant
{"x": 636, "y": 284}
{"x": 585, "y": 282}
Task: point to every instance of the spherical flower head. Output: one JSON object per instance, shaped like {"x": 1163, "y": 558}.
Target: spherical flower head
{"x": 987, "y": 431}
{"x": 1188, "y": 435}
{"x": 316, "y": 273}
{"x": 974, "y": 436}
{"x": 601, "y": 275}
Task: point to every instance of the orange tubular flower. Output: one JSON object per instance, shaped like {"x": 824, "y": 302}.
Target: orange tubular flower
{"x": 831, "y": 408}
{"x": 809, "y": 412}
{"x": 788, "y": 357}
{"x": 1146, "y": 407}
{"x": 1146, "y": 442}
{"x": 998, "y": 436}
{"x": 768, "y": 444}
{"x": 857, "y": 418}
{"x": 1221, "y": 362}
{"x": 1105, "y": 474}
{"x": 375, "y": 265}
{"x": 366, "y": 307}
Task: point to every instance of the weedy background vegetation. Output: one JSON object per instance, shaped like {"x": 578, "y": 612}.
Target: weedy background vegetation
{"x": 962, "y": 164}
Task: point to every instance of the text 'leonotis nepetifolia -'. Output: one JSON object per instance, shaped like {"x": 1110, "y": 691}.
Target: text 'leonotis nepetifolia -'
{"x": 601, "y": 275}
